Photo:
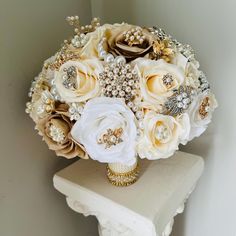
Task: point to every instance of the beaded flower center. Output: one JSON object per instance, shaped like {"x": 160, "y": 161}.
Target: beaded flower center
{"x": 134, "y": 36}
{"x": 111, "y": 137}
{"x": 57, "y": 134}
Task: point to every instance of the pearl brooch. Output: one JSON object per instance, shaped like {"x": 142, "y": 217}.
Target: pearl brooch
{"x": 70, "y": 78}
{"x": 115, "y": 80}
{"x": 179, "y": 101}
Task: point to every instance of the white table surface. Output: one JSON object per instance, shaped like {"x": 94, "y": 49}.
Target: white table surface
{"x": 144, "y": 208}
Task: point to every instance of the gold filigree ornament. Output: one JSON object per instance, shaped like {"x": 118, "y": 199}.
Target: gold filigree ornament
{"x": 204, "y": 108}
{"x": 122, "y": 175}
{"x": 111, "y": 137}
{"x": 162, "y": 49}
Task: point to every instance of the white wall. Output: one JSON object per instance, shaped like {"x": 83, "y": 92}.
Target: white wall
{"x": 210, "y": 27}
{"x": 31, "y": 31}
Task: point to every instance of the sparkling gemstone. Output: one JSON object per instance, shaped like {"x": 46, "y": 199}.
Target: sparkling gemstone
{"x": 179, "y": 98}
{"x": 179, "y": 104}
{"x": 186, "y": 100}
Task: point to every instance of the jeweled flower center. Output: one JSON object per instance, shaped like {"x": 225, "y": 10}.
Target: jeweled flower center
{"x": 167, "y": 80}
{"x": 69, "y": 78}
{"x": 134, "y": 36}
{"x": 111, "y": 137}
{"x": 56, "y": 134}
{"x": 179, "y": 101}
{"x": 204, "y": 108}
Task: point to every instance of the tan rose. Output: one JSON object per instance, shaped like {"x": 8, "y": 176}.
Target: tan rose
{"x": 55, "y": 130}
{"x": 129, "y": 41}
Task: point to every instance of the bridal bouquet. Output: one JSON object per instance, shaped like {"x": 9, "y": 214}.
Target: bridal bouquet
{"x": 116, "y": 92}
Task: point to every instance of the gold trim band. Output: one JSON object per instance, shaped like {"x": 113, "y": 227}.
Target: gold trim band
{"x": 122, "y": 179}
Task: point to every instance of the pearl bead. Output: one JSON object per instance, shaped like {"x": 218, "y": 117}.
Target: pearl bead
{"x": 102, "y": 54}
{"x": 120, "y": 60}
{"x": 179, "y": 104}
{"x": 109, "y": 58}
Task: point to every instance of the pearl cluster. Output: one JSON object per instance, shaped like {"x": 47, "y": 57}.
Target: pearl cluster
{"x": 119, "y": 80}
{"x": 56, "y": 134}
{"x": 134, "y": 36}
{"x": 80, "y": 38}
{"x": 167, "y": 80}
{"x": 75, "y": 21}
{"x": 75, "y": 111}
{"x": 111, "y": 137}
{"x": 179, "y": 101}
{"x": 37, "y": 84}
{"x": 204, "y": 84}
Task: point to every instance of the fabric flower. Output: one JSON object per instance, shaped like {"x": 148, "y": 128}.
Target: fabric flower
{"x": 90, "y": 49}
{"x": 200, "y": 113}
{"x": 157, "y": 80}
{"x": 189, "y": 69}
{"x": 107, "y": 130}
{"x": 128, "y": 41}
{"x": 161, "y": 135}
{"x": 77, "y": 81}
{"x": 55, "y": 129}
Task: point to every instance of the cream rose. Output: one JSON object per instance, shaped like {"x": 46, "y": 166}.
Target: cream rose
{"x": 189, "y": 69}
{"x": 162, "y": 135}
{"x": 77, "y": 81}
{"x": 200, "y": 113}
{"x": 107, "y": 130}
{"x": 157, "y": 80}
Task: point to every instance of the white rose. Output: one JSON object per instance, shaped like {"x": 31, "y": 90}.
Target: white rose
{"x": 154, "y": 87}
{"x": 101, "y": 116}
{"x": 200, "y": 113}
{"x": 161, "y": 135}
{"x": 85, "y": 83}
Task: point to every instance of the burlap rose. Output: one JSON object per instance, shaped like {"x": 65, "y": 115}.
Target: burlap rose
{"x": 119, "y": 47}
{"x": 62, "y": 142}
